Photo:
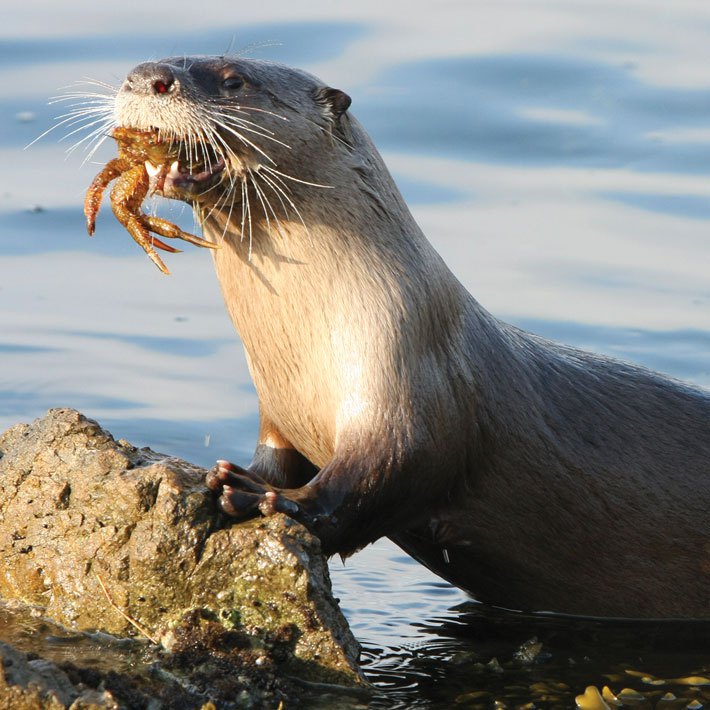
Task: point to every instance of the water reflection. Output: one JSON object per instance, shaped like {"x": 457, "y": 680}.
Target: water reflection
{"x": 311, "y": 41}
{"x": 543, "y": 110}
{"x": 476, "y": 655}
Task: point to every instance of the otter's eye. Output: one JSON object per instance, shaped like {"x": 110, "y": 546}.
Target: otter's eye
{"x": 232, "y": 83}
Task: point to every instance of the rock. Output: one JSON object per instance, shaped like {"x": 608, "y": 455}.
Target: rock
{"x": 98, "y": 534}
{"x": 38, "y": 684}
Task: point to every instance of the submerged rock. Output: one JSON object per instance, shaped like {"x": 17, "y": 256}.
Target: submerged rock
{"x": 97, "y": 534}
{"x": 35, "y": 684}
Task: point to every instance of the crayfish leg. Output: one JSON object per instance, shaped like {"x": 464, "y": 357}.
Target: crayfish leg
{"x": 143, "y": 238}
{"x": 127, "y": 197}
{"x": 172, "y": 231}
{"x": 92, "y": 201}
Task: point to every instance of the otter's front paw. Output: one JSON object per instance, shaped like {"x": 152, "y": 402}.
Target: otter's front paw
{"x": 243, "y": 494}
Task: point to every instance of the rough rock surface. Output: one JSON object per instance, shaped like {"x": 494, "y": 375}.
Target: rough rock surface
{"x": 37, "y": 684}
{"x": 80, "y": 512}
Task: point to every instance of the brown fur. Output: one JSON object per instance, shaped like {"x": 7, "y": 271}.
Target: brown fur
{"x": 533, "y": 475}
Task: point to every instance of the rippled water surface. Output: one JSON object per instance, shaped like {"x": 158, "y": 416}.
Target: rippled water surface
{"x": 557, "y": 153}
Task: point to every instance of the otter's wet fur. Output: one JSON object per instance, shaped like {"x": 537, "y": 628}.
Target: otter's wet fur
{"x": 534, "y": 475}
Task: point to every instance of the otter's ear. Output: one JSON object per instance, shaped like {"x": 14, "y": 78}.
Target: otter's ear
{"x": 336, "y": 102}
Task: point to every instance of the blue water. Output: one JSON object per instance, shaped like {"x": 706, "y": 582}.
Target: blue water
{"x": 557, "y": 155}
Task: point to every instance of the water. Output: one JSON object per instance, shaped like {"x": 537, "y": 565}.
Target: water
{"x": 556, "y": 153}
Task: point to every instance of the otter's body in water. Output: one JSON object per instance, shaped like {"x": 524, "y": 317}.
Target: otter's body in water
{"x": 533, "y": 475}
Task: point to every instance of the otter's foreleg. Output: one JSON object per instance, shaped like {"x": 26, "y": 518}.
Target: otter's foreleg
{"x": 276, "y": 464}
{"x": 277, "y": 461}
{"x": 244, "y": 494}
{"x": 347, "y": 504}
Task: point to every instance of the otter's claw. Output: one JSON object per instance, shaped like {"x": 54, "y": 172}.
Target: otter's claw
{"x": 244, "y": 494}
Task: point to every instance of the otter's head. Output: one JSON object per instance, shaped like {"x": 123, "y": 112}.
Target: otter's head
{"x": 235, "y": 127}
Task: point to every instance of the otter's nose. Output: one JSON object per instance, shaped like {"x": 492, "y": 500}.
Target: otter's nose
{"x": 152, "y": 78}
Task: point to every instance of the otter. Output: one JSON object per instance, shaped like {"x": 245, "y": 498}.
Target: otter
{"x": 533, "y": 475}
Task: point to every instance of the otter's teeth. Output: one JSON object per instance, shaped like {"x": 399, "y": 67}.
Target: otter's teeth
{"x": 151, "y": 169}
{"x": 174, "y": 170}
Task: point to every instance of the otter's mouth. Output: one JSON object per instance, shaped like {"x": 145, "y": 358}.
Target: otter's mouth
{"x": 185, "y": 179}
{"x": 181, "y": 167}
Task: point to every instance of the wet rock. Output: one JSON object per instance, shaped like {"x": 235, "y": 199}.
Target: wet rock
{"x": 38, "y": 684}
{"x": 98, "y": 534}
